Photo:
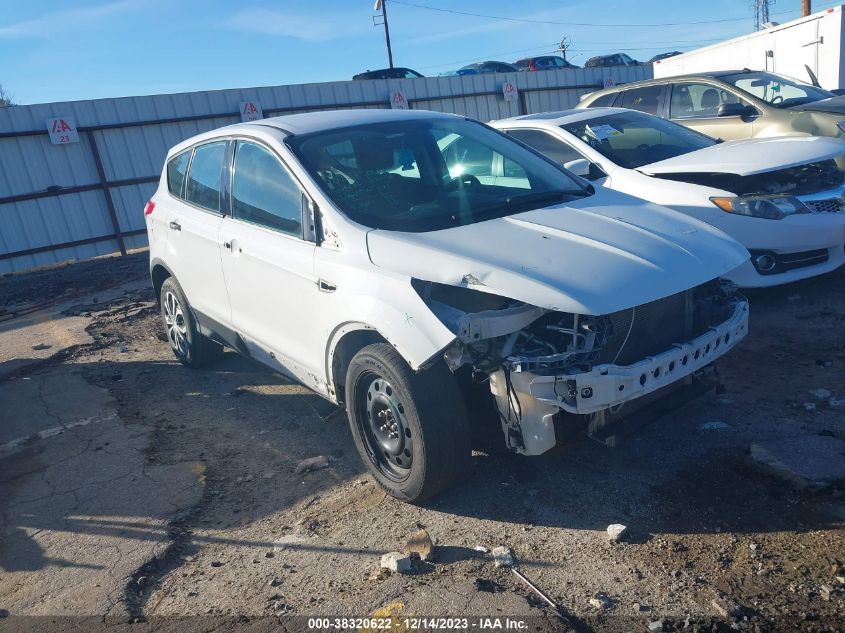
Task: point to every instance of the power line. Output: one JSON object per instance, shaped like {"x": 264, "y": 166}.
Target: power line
{"x": 528, "y": 20}
{"x": 595, "y": 24}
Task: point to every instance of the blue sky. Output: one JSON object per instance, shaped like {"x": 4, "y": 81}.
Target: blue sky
{"x": 81, "y": 49}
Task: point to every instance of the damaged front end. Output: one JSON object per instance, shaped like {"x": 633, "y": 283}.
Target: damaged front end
{"x": 544, "y": 364}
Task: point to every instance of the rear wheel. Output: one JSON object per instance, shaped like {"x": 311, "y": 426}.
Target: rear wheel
{"x": 410, "y": 428}
{"x": 189, "y": 345}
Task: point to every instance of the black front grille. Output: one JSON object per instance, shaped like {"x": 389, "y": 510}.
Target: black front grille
{"x": 828, "y": 205}
{"x": 656, "y": 327}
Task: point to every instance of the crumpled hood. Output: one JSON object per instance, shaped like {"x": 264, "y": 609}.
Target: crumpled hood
{"x": 751, "y": 156}
{"x": 836, "y": 105}
{"x": 595, "y": 255}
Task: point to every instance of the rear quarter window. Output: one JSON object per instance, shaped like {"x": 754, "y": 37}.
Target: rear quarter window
{"x": 176, "y": 169}
{"x": 603, "y": 101}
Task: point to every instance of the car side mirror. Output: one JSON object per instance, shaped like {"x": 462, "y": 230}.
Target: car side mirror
{"x": 579, "y": 167}
{"x": 735, "y": 109}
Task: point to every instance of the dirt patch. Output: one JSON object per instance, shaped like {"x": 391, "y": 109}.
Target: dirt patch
{"x": 712, "y": 541}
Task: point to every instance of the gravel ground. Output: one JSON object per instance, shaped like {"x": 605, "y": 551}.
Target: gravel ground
{"x": 147, "y": 491}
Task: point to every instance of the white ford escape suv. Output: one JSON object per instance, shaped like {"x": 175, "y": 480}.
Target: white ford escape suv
{"x": 353, "y": 251}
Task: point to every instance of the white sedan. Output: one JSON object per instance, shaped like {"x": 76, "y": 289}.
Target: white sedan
{"x": 782, "y": 198}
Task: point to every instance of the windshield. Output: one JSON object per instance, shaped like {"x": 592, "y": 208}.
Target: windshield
{"x": 429, "y": 174}
{"x": 634, "y": 139}
{"x": 776, "y": 90}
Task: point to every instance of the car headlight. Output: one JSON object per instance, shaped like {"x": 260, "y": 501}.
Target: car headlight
{"x": 774, "y": 207}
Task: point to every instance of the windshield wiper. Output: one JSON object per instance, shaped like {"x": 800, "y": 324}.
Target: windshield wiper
{"x": 544, "y": 196}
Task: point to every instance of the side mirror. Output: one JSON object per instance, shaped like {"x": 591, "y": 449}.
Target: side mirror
{"x": 579, "y": 167}
{"x": 735, "y": 109}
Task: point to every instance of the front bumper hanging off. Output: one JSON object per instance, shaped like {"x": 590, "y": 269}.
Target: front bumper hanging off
{"x": 528, "y": 402}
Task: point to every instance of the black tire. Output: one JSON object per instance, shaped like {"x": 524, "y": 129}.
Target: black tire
{"x": 192, "y": 348}
{"x": 420, "y": 443}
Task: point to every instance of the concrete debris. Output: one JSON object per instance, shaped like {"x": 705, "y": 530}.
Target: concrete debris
{"x": 656, "y": 626}
{"x": 714, "y": 426}
{"x": 503, "y": 556}
{"x": 837, "y": 403}
{"x": 840, "y": 580}
{"x": 826, "y": 591}
{"x": 809, "y": 407}
{"x": 420, "y": 544}
{"x": 40, "y": 346}
{"x": 601, "y": 601}
{"x": 812, "y": 461}
{"x": 754, "y": 547}
{"x": 396, "y": 562}
{"x": 616, "y": 531}
{"x": 311, "y": 464}
{"x": 480, "y": 548}
{"x": 820, "y": 394}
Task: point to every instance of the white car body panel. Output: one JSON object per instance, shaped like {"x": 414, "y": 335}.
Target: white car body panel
{"x": 292, "y": 301}
{"x": 793, "y": 234}
{"x": 751, "y": 156}
{"x": 619, "y": 262}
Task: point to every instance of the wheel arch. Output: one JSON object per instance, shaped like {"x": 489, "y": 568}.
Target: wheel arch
{"x": 159, "y": 272}
{"x": 346, "y": 341}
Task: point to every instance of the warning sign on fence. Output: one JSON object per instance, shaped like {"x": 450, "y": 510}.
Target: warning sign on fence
{"x": 509, "y": 91}
{"x": 62, "y": 130}
{"x": 398, "y": 101}
{"x": 251, "y": 111}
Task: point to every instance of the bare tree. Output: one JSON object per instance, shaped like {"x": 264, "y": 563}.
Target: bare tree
{"x": 5, "y": 97}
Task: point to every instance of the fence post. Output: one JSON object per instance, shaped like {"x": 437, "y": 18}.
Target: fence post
{"x": 104, "y": 184}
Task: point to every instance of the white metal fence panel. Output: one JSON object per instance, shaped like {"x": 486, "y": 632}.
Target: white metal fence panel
{"x": 80, "y": 200}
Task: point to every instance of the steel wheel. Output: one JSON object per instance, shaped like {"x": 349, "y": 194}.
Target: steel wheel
{"x": 384, "y": 427}
{"x": 177, "y": 328}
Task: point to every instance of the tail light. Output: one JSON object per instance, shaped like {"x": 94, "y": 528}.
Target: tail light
{"x": 149, "y": 208}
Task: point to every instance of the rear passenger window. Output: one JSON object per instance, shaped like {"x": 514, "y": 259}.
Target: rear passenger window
{"x": 547, "y": 145}
{"x": 646, "y": 99}
{"x": 176, "y": 168}
{"x": 263, "y": 192}
{"x": 203, "y": 187}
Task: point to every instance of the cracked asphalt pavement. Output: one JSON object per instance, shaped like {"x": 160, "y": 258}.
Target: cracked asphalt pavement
{"x": 133, "y": 489}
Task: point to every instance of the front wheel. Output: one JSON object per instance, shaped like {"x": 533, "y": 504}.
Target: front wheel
{"x": 410, "y": 428}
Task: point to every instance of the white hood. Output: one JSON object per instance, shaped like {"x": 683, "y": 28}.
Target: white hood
{"x": 596, "y": 255}
{"x": 750, "y": 156}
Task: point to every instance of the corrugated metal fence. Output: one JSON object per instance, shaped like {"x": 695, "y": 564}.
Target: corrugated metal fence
{"x": 84, "y": 199}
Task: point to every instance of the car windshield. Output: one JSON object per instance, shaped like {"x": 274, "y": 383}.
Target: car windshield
{"x": 777, "y": 90}
{"x": 428, "y": 174}
{"x": 633, "y": 139}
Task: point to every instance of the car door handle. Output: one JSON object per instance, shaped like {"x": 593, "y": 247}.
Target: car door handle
{"x": 175, "y": 225}
{"x": 325, "y": 286}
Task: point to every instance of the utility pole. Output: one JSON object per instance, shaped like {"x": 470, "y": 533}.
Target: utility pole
{"x": 564, "y": 46}
{"x": 381, "y": 5}
{"x": 806, "y": 7}
{"x": 761, "y": 13}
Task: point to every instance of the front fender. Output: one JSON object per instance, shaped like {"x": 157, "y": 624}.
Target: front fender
{"x": 394, "y": 310}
